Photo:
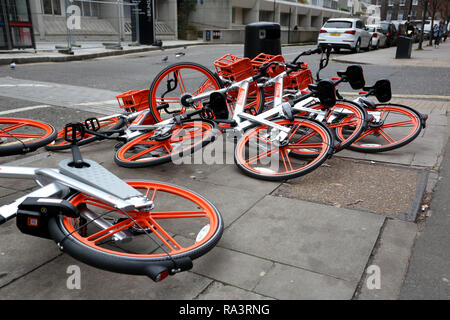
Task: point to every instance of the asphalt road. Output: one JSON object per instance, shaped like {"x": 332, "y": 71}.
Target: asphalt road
{"x": 136, "y": 71}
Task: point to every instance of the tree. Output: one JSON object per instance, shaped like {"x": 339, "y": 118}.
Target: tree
{"x": 444, "y": 12}
{"x": 433, "y": 8}
{"x": 424, "y": 17}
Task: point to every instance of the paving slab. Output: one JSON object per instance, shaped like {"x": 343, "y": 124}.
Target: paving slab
{"x": 220, "y": 291}
{"x": 318, "y": 238}
{"x": 388, "y": 190}
{"x": 290, "y": 283}
{"x": 52, "y": 278}
{"x": 20, "y": 254}
{"x": 392, "y": 257}
{"x": 74, "y": 97}
{"x": 233, "y": 268}
{"x": 231, "y": 176}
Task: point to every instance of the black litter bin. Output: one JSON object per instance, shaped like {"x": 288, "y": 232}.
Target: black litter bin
{"x": 404, "y": 47}
{"x": 262, "y": 37}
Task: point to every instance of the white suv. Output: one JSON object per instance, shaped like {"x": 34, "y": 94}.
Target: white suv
{"x": 343, "y": 33}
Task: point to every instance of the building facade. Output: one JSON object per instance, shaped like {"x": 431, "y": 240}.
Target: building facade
{"x": 100, "y": 20}
{"x": 398, "y": 10}
{"x": 300, "y": 20}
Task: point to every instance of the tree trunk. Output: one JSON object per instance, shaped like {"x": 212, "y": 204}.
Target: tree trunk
{"x": 424, "y": 15}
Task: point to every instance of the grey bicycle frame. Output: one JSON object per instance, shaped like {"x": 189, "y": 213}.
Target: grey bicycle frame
{"x": 55, "y": 184}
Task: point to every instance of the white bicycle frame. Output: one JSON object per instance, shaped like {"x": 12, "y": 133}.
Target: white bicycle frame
{"x": 55, "y": 184}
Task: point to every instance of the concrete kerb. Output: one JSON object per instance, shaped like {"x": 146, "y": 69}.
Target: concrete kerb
{"x": 87, "y": 56}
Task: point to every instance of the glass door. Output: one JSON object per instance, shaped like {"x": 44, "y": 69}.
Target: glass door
{"x": 20, "y": 23}
{"x": 3, "y": 39}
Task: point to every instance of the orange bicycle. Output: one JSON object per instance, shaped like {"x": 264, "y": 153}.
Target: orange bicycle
{"x": 18, "y": 136}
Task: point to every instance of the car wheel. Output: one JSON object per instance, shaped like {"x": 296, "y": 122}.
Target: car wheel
{"x": 369, "y": 45}
{"x": 357, "y": 48}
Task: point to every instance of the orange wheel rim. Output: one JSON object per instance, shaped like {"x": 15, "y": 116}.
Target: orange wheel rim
{"x": 209, "y": 84}
{"x": 303, "y": 145}
{"x": 383, "y": 130}
{"x": 13, "y": 128}
{"x": 150, "y": 219}
{"x": 194, "y": 132}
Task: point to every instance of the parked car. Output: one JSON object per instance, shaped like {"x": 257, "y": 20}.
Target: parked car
{"x": 390, "y": 31}
{"x": 345, "y": 33}
{"x": 378, "y": 38}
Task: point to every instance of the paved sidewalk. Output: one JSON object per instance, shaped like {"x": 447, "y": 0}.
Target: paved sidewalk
{"x": 428, "y": 57}
{"x": 275, "y": 245}
{"x": 47, "y": 52}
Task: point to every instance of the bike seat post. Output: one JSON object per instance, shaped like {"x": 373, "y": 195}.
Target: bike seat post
{"x": 74, "y": 133}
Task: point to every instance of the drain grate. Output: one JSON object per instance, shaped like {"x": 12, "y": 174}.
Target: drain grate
{"x": 389, "y": 190}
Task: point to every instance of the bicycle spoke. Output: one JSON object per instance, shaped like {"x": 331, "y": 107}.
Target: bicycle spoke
{"x": 398, "y": 124}
{"x": 178, "y": 214}
{"x": 386, "y": 136}
{"x": 164, "y": 237}
{"x": 107, "y": 233}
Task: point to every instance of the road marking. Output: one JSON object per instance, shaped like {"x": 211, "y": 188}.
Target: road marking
{"x": 407, "y": 96}
{"x": 96, "y": 103}
{"x": 25, "y": 85}
{"x": 24, "y": 109}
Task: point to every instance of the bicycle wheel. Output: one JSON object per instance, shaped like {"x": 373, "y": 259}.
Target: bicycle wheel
{"x": 346, "y": 120}
{"x": 109, "y": 124}
{"x": 151, "y": 148}
{"x": 19, "y": 136}
{"x": 392, "y": 126}
{"x": 190, "y": 78}
{"x": 175, "y": 81}
{"x": 259, "y": 156}
{"x": 180, "y": 224}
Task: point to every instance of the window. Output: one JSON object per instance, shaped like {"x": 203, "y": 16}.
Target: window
{"x": 402, "y": 3}
{"x": 18, "y": 10}
{"x": 415, "y": 2}
{"x": 88, "y": 9}
{"x": 390, "y": 3}
{"x": 338, "y": 24}
{"x": 389, "y": 16}
{"x": 51, "y": 7}
{"x": 400, "y": 16}
{"x": 378, "y": 2}
{"x": 359, "y": 24}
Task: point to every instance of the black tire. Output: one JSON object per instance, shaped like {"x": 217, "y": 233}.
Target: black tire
{"x": 24, "y": 145}
{"x": 411, "y": 136}
{"x": 157, "y": 81}
{"x": 65, "y": 146}
{"x": 319, "y": 158}
{"x": 357, "y": 48}
{"x": 127, "y": 264}
{"x": 356, "y": 131}
{"x": 120, "y": 158}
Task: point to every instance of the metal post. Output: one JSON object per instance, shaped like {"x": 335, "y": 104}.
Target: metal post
{"x": 119, "y": 23}
{"x": 69, "y": 32}
{"x": 274, "y": 3}
{"x": 136, "y": 9}
{"x": 289, "y": 31}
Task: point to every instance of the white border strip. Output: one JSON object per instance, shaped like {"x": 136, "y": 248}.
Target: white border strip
{"x": 24, "y": 109}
